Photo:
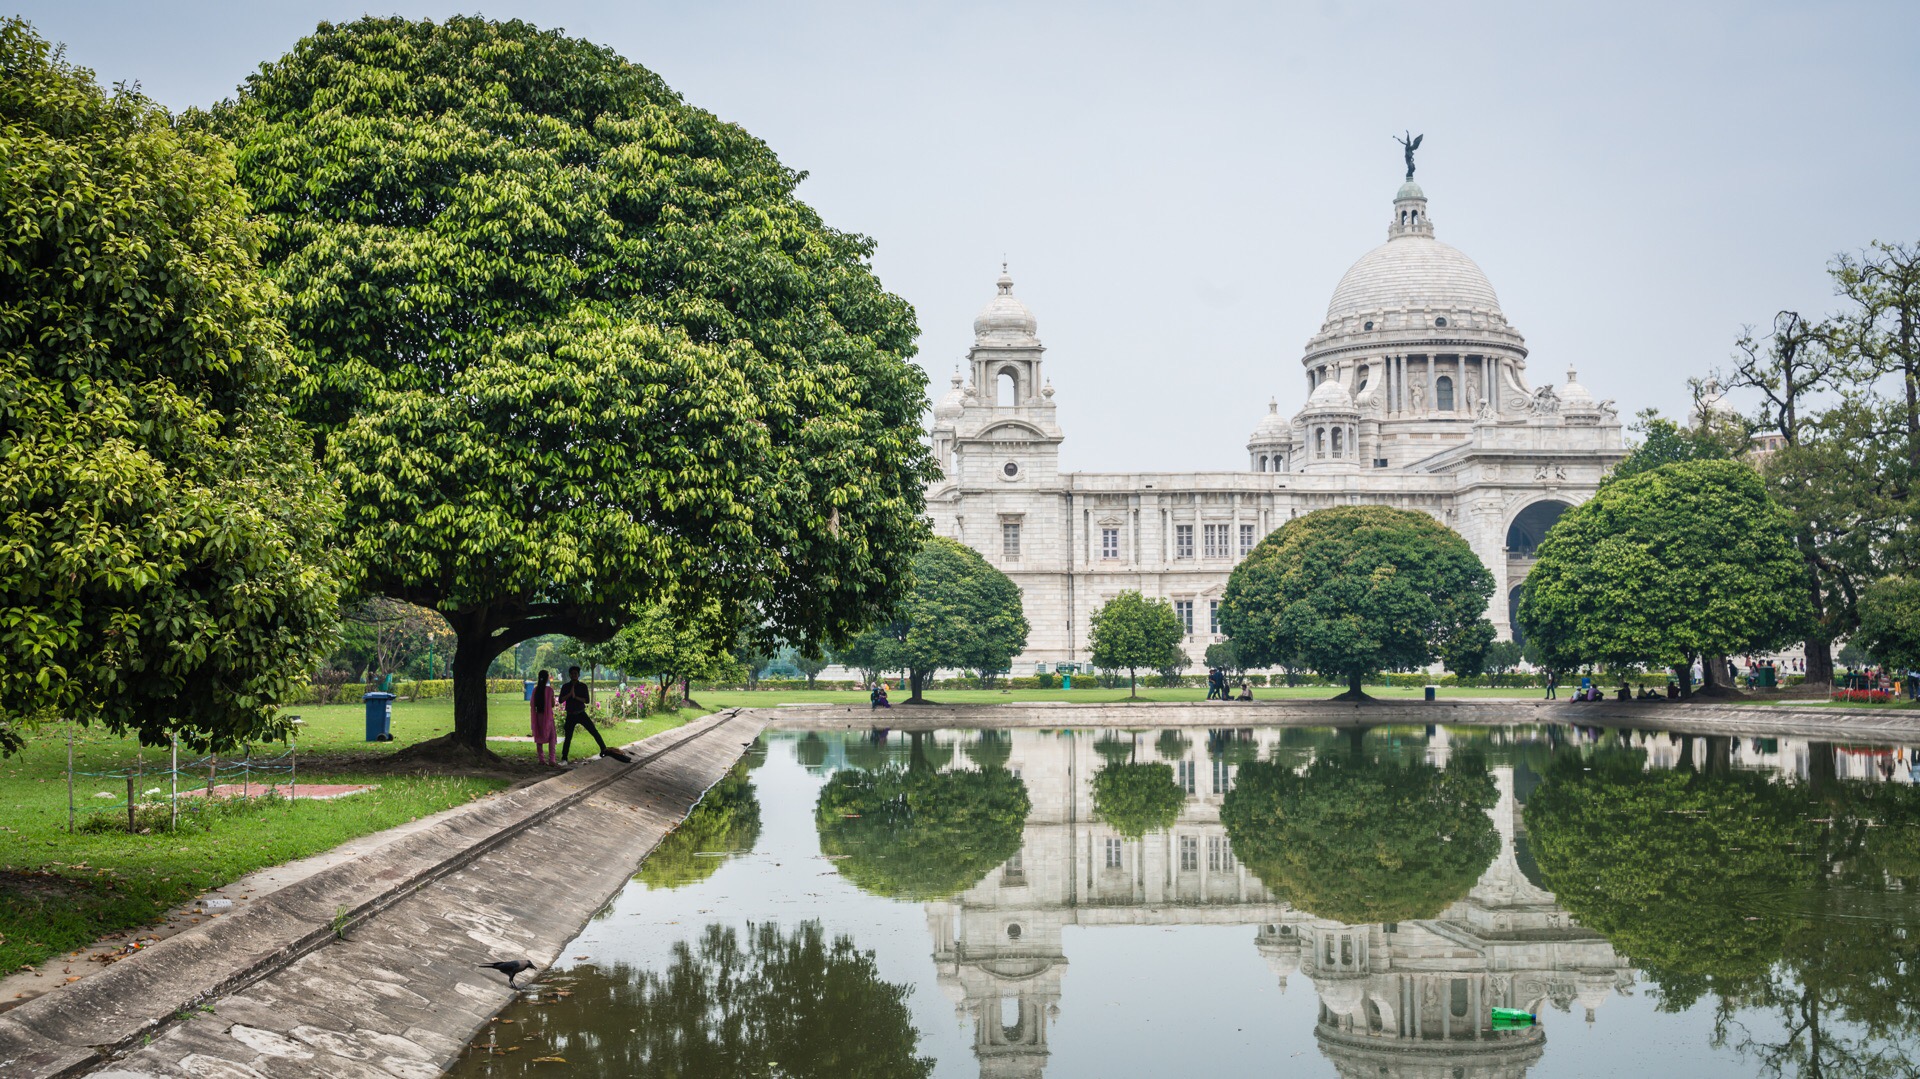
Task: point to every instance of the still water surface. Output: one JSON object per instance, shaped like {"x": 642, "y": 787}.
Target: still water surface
{"x": 1299, "y": 902}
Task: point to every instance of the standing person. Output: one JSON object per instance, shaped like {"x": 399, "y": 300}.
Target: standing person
{"x": 1553, "y": 685}
{"x": 542, "y": 709}
{"x": 575, "y": 695}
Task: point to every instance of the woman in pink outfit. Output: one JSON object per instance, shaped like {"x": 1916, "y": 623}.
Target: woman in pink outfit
{"x": 544, "y": 736}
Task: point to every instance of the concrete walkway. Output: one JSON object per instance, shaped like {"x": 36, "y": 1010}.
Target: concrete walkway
{"x": 273, "y": 990}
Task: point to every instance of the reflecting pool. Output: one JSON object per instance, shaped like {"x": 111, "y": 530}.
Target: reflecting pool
{"x": 1285, "y": 901}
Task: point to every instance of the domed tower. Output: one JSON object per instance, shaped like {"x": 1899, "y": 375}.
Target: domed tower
{"x": 1005, "y": 432}
{"x": 1415, "y": 336}
{"x": 1270, "y": 448}
{"x": 1331, "y": 423}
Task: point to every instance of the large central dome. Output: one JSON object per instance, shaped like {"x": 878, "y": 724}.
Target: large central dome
{"x": 1414, "y": 271}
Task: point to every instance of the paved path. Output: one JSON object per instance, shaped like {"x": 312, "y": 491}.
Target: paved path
{"x": 272, "y": 991}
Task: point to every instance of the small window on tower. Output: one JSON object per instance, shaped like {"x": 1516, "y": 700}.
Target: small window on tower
{"x": 1010, "y": 469}
{"x": 1109, "y": 544}
{"x": 1010, "y": 540}
{"x": 1183, "y": 546}
{"x": 1441, "y": 321}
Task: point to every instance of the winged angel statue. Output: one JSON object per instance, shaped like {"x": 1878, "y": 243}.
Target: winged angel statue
{"x": 1411, "y": 143}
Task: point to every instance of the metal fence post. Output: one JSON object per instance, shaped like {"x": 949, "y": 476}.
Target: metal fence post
{"x": 173, "y": 787}
{"x": 129, "y": 803}
{"x": 69, "y": 776}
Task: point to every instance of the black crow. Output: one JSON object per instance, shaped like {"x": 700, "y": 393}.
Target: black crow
{"x": 510, "y": 967}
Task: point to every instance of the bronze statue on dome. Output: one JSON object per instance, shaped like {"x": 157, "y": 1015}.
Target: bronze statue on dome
{"x": 1412, "y": 143}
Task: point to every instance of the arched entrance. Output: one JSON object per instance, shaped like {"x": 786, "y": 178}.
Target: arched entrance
{"x": 1530, "y": 527}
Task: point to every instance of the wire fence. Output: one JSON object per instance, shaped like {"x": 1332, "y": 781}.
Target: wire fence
{"x": 196, "y": 782}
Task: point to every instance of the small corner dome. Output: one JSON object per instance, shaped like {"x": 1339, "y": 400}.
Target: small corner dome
{"x": 952, "y": 402}
{"x": 1273, "y": 427}
{"x": 1409, "y": 190}
{"x": 1574, "y": 396}
{"x": 1330, "y": 394}
{"x": 1005, "y": 316}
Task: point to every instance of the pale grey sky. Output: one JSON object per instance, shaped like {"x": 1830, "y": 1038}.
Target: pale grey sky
{"x": 1178, "y": 187}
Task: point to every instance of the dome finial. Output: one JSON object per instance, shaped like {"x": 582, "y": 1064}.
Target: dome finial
{"x": 1273, "y": 405}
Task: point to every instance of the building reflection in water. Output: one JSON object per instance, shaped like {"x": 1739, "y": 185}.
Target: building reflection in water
{"x": 1410, "y": 999}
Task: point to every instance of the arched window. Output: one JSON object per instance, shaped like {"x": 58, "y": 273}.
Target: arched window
{"x": 1337, "y": 432}
{"x": 1320, "y": 442}
{"x": 1443, "y": 394}
{"x": 1263, "y": 462}
{"x": 1009, "y": 387}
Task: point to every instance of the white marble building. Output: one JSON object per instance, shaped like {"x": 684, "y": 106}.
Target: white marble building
{"x": 1417, "y": 397}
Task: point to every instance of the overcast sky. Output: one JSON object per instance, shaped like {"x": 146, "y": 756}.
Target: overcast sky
{"x": 1178, "y": 187}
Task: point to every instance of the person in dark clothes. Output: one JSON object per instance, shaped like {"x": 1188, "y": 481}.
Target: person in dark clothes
{"x": 574, "y": 695}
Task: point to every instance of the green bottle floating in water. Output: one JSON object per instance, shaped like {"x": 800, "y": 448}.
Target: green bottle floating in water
{"x": 1513, "y": 1018}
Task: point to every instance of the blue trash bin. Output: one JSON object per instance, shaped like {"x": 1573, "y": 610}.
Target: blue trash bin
{"x": 1431, "y": 690}
{"x": 527, "y": 684}
{"x": 379, "y": 716}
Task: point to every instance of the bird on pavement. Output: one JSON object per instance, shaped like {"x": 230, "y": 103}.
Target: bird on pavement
{"x": 512, "y": 968}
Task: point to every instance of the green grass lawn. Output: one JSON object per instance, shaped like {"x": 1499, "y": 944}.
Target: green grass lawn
{"x": 60, "y": 891}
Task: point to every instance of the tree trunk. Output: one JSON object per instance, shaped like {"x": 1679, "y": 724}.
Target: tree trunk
{"x": 1356, "y": 741}
{"x": 1133, "y": 684}
{"x": 1819, "y": 662}
{"x": 1683, "y": 674}
{"x": 470, "y": 663}
{"x": 917, "y": 680}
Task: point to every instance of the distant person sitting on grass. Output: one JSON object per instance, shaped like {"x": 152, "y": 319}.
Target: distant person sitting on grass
{"x": 878, "y": 698}
{"x": 1246, "y": 691}
{"x": 575, "y": 695}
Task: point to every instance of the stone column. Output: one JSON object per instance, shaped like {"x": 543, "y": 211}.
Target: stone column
{"x": 1433, "y": 402}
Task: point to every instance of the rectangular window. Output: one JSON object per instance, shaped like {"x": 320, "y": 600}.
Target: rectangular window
{"x": 1213, "y": 616}
{"x": 1010, "y": 540}
{"x": 1246, "y": 540}
{"x": 1113, "y": 853}
{"x": 1216, "y": 537}
{"x": 1222, "y": 776}
{"x": 1189, "y": 853}
{"x": 1185, "y": 777}
{"x": 1183, "y": 609}
{"x": 1219, "y": 854}
{"x": 1183, "y": 541}
{"x": 1109, "y": 544}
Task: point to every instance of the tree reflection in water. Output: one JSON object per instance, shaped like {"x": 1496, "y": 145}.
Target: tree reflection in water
{"x": 1796, "y": 899}
{"x": 793, "y": 1005}
{"x": 725, "y": 823}
{"x": 920, "y": 833}
{"x": 1360, "y": 840}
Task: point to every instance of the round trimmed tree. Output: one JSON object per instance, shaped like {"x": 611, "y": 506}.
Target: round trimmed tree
{"x": 1131, "y": 631}
{"x": 574, "y": 346}
{"x": 920, "y": 833}
{"x": 164, "y": 563}
{"x": 961, "y": 612}
{"x": 1354, "y": 590}
{"x": 1687, "y": 560}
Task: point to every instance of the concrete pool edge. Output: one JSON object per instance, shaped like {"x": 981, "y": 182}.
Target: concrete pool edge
{"x": 1692, "y": 717}
{"x": 244, "y": 988}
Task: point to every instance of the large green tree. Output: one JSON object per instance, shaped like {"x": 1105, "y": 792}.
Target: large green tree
{"x": 1717, "y": 436}
{"x": 918, "y": 832}
{"x": 1890, "y": 622}
{"x": 1131, "y": 631}
{"x": 1689, "y": 560}
{"x": 573, "y": 346}
{"x": 668, "y": 645}
{"x": 1354, "y": 590}
{"x": 1359, "y": 840}
{"x": 163, "y": 566}
{"x": 961, "y": 612}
